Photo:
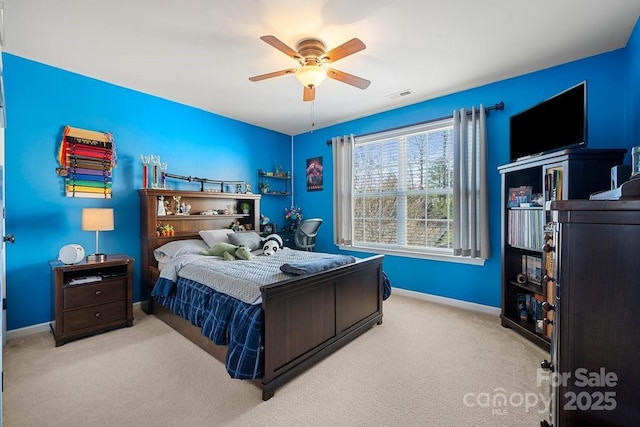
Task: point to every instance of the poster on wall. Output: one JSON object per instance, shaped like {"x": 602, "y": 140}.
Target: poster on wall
{"x": 314, "y": 174}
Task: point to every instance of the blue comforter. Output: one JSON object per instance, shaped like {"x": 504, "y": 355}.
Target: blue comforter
{"x": 223, "y": 319}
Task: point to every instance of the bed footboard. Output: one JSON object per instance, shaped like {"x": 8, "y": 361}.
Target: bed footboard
{"x": 308, "y": 318}
{"x": 305, "y": 319}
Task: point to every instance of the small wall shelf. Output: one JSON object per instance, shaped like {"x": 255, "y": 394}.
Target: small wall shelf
{"x": 274, "y": 184}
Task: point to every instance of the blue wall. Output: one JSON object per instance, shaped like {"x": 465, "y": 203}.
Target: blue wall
{"x": 608, "y": 85}
{"x": 41, "y": 100}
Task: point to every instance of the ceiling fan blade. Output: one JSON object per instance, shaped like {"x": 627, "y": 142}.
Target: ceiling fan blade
{"x": 347, "y": 78}
{"x": 274, "y": 74}
{"x": 309, "y": 94}
{"x": 345, "y": 49}
{"x": 275, "y": 42}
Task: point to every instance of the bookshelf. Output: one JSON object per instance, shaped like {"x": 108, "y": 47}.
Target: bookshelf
{"x": 528, "y": 188}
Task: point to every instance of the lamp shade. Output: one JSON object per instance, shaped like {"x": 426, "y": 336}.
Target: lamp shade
{"x": 97, "y": 219}
{"x": 311, "y": 75}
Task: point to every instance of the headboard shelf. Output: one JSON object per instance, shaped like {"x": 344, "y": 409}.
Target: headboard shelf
{"x": 199, "y": 217}
{"x": 187, "y": 226}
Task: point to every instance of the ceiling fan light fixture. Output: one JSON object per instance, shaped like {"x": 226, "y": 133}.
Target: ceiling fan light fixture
{"x": 311, "y": 75}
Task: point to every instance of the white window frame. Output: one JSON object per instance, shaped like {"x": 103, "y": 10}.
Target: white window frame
{"x": 432, "y": 253}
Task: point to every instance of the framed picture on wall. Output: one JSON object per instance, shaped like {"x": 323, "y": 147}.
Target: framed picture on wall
{"x": 314, "y": 174}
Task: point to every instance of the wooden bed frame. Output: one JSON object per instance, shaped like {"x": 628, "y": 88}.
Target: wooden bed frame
{"x": 305, "y": 318}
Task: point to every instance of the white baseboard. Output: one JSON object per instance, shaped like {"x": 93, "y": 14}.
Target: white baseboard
{"x": 448, "y": 301}
{"x": 27, "y": 330}
{"x": 35, "y": 329}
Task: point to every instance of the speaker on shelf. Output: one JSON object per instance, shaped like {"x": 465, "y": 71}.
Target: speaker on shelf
{"x": 71, "y": 254}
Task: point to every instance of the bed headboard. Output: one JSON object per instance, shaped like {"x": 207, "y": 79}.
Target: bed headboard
{"x": 223, "y": 209}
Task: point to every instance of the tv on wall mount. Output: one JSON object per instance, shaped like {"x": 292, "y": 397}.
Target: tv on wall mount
{"x": 554, "y": 124}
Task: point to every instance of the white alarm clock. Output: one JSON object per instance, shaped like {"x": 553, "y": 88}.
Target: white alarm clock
{"x": 71, "y": 254}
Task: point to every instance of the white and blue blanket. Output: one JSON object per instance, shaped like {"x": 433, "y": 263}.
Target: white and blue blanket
{"x": 223, "y": 298}
{"x": 242, "y": 279}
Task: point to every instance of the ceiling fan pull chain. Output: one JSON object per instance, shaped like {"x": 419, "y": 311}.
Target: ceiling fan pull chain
{"x": 313, "y": 114}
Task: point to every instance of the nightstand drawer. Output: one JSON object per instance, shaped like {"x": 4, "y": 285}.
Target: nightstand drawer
{"x": 87, "y": 318}
{"x": 94, "y": 293}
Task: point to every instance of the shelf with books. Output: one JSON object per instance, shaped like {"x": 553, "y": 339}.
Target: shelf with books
{"x": 526, "y": 254}
{"x": 525, "y": 227}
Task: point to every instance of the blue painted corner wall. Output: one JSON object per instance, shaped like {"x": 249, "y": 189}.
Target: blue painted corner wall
{"x": 41, "y": 100}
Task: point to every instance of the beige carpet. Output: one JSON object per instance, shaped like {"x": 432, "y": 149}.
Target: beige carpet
{"x": 426, "y": 365}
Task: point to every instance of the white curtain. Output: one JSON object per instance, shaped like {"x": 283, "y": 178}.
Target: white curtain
{"x": 342, "y": 149}
{"x": 470, "y": 206}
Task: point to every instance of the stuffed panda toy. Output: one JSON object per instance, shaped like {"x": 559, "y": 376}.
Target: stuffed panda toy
{"x": 272, "y": 244}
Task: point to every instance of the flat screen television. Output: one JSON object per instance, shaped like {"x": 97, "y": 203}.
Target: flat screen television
{"x": 554, "y": 124}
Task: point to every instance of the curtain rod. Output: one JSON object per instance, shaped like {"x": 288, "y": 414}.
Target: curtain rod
{"x": 497, "y": 107}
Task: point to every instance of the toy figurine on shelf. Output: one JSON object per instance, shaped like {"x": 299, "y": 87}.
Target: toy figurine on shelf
{"x": 176, "y": 200}
{"x": 236, "y": 226}
{"x": 185, "y": 209}
{"x": 161, "y": 208}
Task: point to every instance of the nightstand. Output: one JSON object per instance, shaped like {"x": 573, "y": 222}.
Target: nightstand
{"x": 91, "y": 297}
{"x": 287, "y": 238}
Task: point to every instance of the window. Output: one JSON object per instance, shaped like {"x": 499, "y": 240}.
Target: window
{"x": 417, "y": 191}
{"x": 402, "y": 189}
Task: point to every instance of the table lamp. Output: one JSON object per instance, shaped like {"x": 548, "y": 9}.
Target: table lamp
{"x": 97, "y": 219}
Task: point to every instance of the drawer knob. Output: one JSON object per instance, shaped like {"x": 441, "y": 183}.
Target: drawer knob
{"x": 546, "y": 365}
{"x": 98, "y": 314}
{"x": 546, "y": 306}
{"x": 98, "y": 292}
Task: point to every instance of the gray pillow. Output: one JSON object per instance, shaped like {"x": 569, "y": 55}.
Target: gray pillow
{"x": 211, "y": 237}
{"x": 179, "y": 247}
{"x": 248, "y": 239}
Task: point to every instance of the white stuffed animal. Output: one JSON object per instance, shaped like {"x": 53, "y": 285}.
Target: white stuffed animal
{"x": 272, "y": 244}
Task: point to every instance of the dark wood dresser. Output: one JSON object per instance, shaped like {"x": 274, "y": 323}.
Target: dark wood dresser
{"x": 91, "y": 297}
{"x": 596, "y": 343}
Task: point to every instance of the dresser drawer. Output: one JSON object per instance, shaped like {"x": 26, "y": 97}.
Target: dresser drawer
{"x": 91, "y": 317}
{"x": 94, "y": 293}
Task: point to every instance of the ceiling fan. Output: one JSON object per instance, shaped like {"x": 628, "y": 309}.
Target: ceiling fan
{"x": 312, "y": 56}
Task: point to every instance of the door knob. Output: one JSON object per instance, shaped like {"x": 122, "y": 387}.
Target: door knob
{"x": 9, "y": 238}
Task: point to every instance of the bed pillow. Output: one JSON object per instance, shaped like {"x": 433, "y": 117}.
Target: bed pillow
{"x": 211, "y": 237}
{"x": 248, "y": 239}
{"x": 176, "y": 248}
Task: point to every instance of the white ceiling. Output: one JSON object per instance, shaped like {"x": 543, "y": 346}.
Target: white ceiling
{"x": 202, "y": 52}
